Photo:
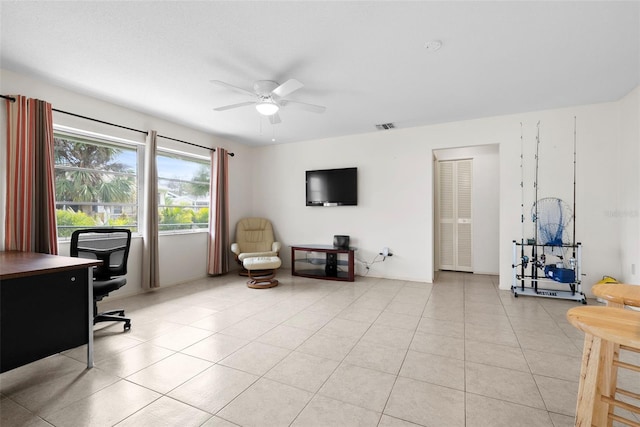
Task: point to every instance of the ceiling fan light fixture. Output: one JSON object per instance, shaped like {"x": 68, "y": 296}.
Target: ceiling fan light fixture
{"x": 433, "y": 45}
{"x": 267, "y": 108}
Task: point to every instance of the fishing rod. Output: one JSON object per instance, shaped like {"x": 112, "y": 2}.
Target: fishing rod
{"x": 523, "y": 259}
{"x": 534, "y": 249}
{"x": 535, "y": 185}
{"x": 521, "y": 184}
{"x": 573, "y": 255}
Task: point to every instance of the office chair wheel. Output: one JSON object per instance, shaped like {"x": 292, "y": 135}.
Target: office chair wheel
{"x": 127, "y": 326}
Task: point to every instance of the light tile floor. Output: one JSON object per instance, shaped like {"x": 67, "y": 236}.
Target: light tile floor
{"x": 310, "y": 352}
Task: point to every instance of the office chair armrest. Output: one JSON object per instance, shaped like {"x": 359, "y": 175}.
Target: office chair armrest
{"x": 104, "y": 255}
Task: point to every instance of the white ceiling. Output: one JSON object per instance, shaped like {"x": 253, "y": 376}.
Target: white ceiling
{"x": 364, "y": 61}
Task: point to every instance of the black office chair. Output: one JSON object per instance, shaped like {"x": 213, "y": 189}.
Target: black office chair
{"x": 111, "y": 246}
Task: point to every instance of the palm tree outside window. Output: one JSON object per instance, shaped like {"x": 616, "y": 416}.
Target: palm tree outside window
{"x": 96, "y": 183}
{"x": 183, "y": 192}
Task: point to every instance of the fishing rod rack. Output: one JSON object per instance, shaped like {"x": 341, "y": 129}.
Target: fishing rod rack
{"x": 534, "y": 274}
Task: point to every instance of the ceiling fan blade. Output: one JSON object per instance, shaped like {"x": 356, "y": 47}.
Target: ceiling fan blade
{"x": 228, "y": 86}
{"x": 287, "y": 87}
{"x": 275, "y": 119}
{"x": 304, "y": 106}
{"x": 229, "y": 107}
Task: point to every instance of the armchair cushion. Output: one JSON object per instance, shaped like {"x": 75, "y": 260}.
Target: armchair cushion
{"x": 254, "y": 238}
{"x": 244, "y": 256}
{"x": 235, "y": 248}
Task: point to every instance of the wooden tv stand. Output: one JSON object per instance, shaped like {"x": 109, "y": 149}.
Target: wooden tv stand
{"x": 329, "y": 266}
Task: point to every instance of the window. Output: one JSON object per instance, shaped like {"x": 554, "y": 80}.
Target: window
{"x": 96, "y": 183}
{"x": 183, "y": 192}
{"x": 98, "y": 180}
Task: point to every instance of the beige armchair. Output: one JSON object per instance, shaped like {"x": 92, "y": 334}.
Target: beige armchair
{"x": 254, "y": 238}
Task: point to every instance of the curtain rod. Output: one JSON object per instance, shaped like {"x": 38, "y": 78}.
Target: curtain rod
{"x": 99, "y": 121}
{"x": 191, "y": 143}
{"x": 122, "y": 127}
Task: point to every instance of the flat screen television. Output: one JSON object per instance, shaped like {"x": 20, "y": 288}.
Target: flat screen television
{"x": 332, "y": 187}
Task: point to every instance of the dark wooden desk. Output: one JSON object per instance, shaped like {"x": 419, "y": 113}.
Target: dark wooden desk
{"x": 46, "y": 306}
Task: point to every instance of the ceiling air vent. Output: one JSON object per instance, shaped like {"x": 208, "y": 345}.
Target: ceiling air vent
{"x": 385, "y": 126}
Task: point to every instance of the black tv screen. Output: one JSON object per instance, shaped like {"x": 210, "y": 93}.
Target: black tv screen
{"x": 332, "y": 187}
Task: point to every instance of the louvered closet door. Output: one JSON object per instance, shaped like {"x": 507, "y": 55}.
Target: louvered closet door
{"x": 454, "y": 192}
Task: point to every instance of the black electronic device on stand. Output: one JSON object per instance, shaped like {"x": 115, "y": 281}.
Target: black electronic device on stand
{"x": 331, "y": 266}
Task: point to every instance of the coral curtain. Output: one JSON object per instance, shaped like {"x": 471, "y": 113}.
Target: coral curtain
{"x": 30, "y": 211}
{"x": 218, "y": 251}
{"x": 150, "y": 263}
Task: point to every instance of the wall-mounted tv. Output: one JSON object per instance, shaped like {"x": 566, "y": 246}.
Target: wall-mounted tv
{"x": 332, "y": 187}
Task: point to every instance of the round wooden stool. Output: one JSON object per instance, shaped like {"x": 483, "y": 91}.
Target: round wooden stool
{"x": 262, "y": 271}
{"x": 606, "y": 329}
{"x": 618, "y": 294}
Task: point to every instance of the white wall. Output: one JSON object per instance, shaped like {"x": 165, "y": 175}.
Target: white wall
{"x": 627, "y": 209}
{"x": 486, "y": 213}
{"x": 395, "y": 206}
{"x": 392, "y": 192}
{"x": 182, "y": 256}
{"x": 396, "y": 183}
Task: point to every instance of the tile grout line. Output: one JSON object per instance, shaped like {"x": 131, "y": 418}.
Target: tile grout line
{"x": 316, "y": 393}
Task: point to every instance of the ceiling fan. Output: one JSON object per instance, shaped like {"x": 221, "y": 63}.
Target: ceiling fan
{"x": 269, "y": 98}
